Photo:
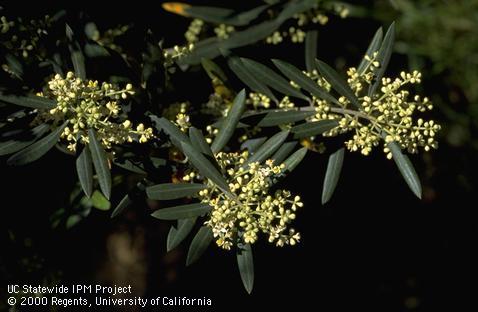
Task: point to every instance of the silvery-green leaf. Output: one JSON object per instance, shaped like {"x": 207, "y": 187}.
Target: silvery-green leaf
{"x": 283, "y": 152}
{"x": 84, "y": 169}
{"x": 28, "y": 101}
{"x": 268, "y": 148}
{"x": 373, "y": 47}
{"x": 24, "y": 139}
{"x": 272, "y": 79}
{"x": 305, "y": 82}
{"x": 199, "y": 244}
{"x": 334, "y": 167}
{"x": 383, "y": 57}
{"x": 167, "y": 191}
{"x": 100, "y": 162}
{"x": 229, "y": 125}
{"x": 205, "y": 167}
{"x": 245, "y": 263}
{"x": 182, "y": 212}
{"x": 294, "y": 160}
{"x": 310, "y": 49}
{"x": 37, "y": 149}
{"x": 177, "y": 234}
{"x": 313, "y": 128}
{"x": 199, "y": 142}
{"x": 249, "y": 79}
{"x": 123, "y": 204}
{"x": 337, "y": 82}
{"x": 406, "y": 169}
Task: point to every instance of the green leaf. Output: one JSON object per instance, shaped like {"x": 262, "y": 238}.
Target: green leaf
{"x": 337, "y": 82}
{"x": 123, "y": 204}
{"x": 209, "y": 14}
{"x": 334, "y": 167}
{"x": 23, "y": 140}
{"x": 229, "y": 125}
{"x": 272, "y": 79}
{"x": 84, "y": 169}
{"x": 37, "y": 149}
{"x": 77, "y": 57}
{"x": 199, "y": 244}
{"x": 177, "y": 234}
{"x": 277, "y": 118}
{"x": 383, "y": 57}
{"x": 182, "y": 212}
{"x": 28, "y": 101}
{"x": 249, "y": 79}
{"x": 313, "y": 128}
{"x": 213, "y": 71}
{"x": 253, "y": 144}
{"x": 283, "y": 152}
{"x": 245, "y": 263}
{"x": 244, "y": 18}
{"x": 205, "y": 167}
{"x": 167, "y": 191}
{"x": 294, "y": 160}
{"x": 99, "y": 201}
{"x": 100, "y": 162}
{"x": 129, "y": 165}
{"x": 373, "y": 47}
{"x": 305, "y": 82}
{"x": 176, "y": 135}
{"x": 14, "y": 64}
{"x": 199, "y": 142}
{"x": 406, "y": 169}
{"x": 268, "y": 148}
{"x": 310, "y": 50}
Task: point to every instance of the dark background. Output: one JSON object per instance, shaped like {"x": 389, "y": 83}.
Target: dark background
{"x": 374, "y": 247}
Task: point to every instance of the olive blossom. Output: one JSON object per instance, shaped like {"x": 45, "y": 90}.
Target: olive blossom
{"x": 87, "y": 104}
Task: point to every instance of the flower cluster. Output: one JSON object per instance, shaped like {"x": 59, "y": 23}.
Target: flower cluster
{"x": 252, "y": 209}
{"x": 389, "y": 113}
{"x": 194, "y": 31}
{"x": 222, "y": 31}
{"x": 89, "y": 105}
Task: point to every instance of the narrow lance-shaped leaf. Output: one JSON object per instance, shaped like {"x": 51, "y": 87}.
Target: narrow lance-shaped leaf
{"x": 245, "y": 263}
{"x": 313, "y": 128}
{"x": 294, "y": 160}
{"x": 249, "y": 79}
{"x": 283, "y": 152}
{"x": 337, "y": 82}
{"x": 229, "y": 125}
{"x": 253, "y": 144}
{"x": 84, "y": 169}
{"x": 37, "y": 149}
{"x": 182, "y": 212}
{"x": 177, "y": 234}
{"x": 406, "y": 169}
{"x": 199, "y": 244}
{"x": 77, "y": 57}
{"x": 100, "y": 162}
{"x": 373, "y": 47}
{"x": 167, "y": 191}
{"x": 28, "y": 101}
{"x": 177, "y": 136}
{"x": 305, "y": 82}
{"x": 272, "y": 79}
{"x": 123, "y": 204}
{"x": 205, "y": 167}
{"x": 212, "y": 70}
{"x": 268, "y": 148}
{"x": 334, "y": 167}
{"x": 199, "y": 142}
{"x": 311, "y": 49}
{"x": 272, "y": 119}
{"x": 383, "y": 57}
{"x": 23, "y": 140}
